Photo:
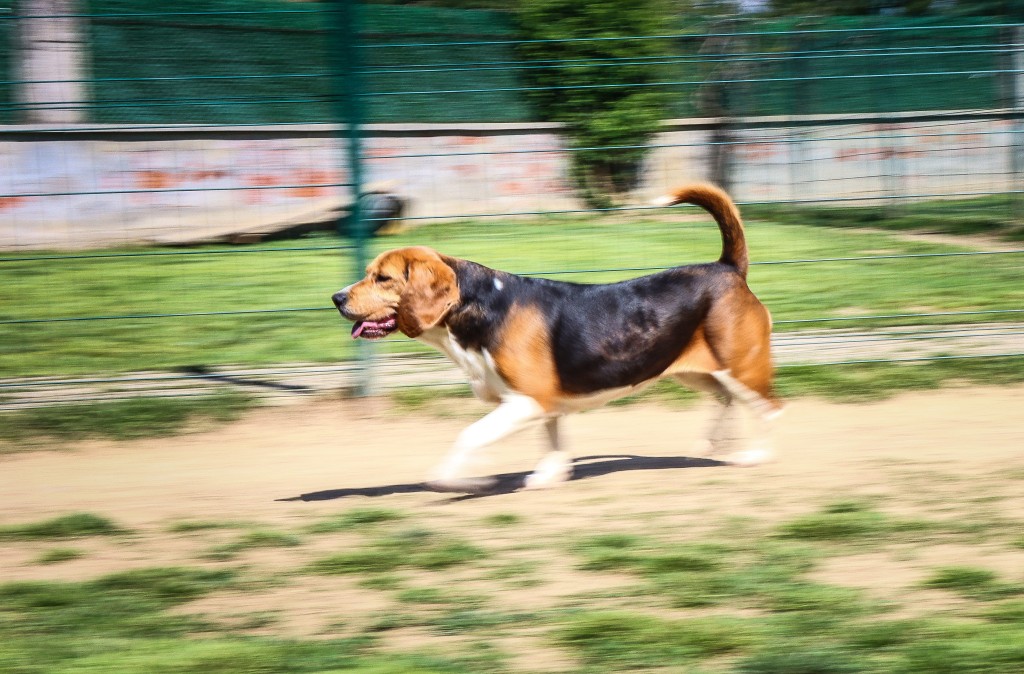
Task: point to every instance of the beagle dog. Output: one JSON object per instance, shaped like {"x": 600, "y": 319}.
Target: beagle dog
{"x": 541, "y": 349}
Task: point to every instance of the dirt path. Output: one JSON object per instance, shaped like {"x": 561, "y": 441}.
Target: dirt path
{"x": 242, "y": 471}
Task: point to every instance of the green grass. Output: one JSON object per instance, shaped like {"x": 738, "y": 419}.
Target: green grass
{"x": 769, "y": 618}
{"x": 437, "y": 401}
{"x": 1011, "y": 611}
{"x": 191, "y": 526}
{"x": 258, "y": 538}
{"x": 121, "y": 624}
{"x": 742, "y": 604}
{"x": 625, "y": 551}
{"x": 626, "y": 640}
{"x": 861, "y": 382}
{"x": 503, "y": 520}
{"x": 411, "y": 548}
{"x": 849, "y": 521}
{"x": 974, "y": 582}
{"x": 58, "y": 555}
{"x": 75, "y": 525}
{"x": 356, "y": 518}
{"x": 121, "y": 420}
{"x": 990, "y": 215}
{"x": 568, "y": 247}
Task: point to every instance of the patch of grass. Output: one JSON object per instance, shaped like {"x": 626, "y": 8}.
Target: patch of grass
{"x": 626, "y": 552}
{"x": 847, "y": 521}
{"x": 374, "y": 560}
{"x": 502, "y": 520}
{"x": 75, "y": 525}
{"x": 461, "y": 621}
{"x": 1011, "y": 611}
{"x": 171, "y": 585}
{"x": 189, "y": 526}
{"x": 694, "y": 590}
{"x": 573, "y": 246}
{"x": 989, "y": 215}
{"x": 801, "y": 659}
{"x": 394, "y": 621}
{"x": 972, "y": 582}
{"x": 962, "y": 647}
{"x": 961, "y": 578}
{"x": 610, "y": 551}
{"x": 427, "y": 398}
{"x": 414, "y": 548}
{"x": 877, "y": 634}
{"x": 841, "y": 603}
{"x": 878, "y": 381}
{"x": 49, "y": 622}
{"x": 624, "y": 640}
{"x": 236, "y": 655}
{"x": 382, "y": 581}
{"x": 259, "y": 538}
{"x": 690, "y": 575}
{"x": 121, "y": 420}
{"x": 837, "y": 522}
{"x": 58, "y": 555}
{"x": 437, "y": 597}
{"x": 354, "y": 519}
{"x": 521, "y": 570}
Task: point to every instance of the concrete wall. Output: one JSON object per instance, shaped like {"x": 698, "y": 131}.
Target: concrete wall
{"x": 67, "y": 188}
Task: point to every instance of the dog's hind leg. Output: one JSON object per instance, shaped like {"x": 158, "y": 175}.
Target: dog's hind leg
{"x": 556, "y": 465}
{"x": 724, "y": 435}
{"x": 513, "y": 414}
{"x": 765, "y": 411}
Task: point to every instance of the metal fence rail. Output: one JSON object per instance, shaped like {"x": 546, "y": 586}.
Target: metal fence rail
{"x": 251, "y": 122}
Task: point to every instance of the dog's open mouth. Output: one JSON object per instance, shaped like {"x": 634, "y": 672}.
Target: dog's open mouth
{"x": 374, "y": 329}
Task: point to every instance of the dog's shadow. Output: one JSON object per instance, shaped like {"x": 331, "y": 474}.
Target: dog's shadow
{"x": 584, "y": 467}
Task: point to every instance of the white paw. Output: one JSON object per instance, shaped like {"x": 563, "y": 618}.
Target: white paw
{"x": 750, "y": 457}
{"x": 552, "y": 471}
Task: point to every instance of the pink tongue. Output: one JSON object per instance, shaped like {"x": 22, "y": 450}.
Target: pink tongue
{"x": 358, "y": 328}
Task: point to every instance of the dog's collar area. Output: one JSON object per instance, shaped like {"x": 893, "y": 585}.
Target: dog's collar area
{"x": 368, "y": 329}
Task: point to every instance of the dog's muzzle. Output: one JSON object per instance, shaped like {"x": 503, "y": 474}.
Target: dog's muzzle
{"x": 367, "y": 329}
{"x": 340, "y": 299}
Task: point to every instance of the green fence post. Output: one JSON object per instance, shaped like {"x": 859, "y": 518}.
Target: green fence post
{"x": 349, "y": 111}
{"x": 1016, "y": 103}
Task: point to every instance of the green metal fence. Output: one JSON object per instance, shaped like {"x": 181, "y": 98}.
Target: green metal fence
{"x": 182, "y": 229}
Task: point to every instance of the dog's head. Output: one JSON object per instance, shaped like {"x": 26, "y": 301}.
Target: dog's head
{"x": 407, "y": 289}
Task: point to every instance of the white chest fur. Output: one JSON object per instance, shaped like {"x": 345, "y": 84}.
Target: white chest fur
{"x": 479, "y": 366}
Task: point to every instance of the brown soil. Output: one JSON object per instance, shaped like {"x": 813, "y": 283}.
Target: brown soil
{"x": 952, "y": 454}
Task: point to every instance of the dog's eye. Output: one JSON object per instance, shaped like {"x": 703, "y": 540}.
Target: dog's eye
{"x": 382, "y": 278}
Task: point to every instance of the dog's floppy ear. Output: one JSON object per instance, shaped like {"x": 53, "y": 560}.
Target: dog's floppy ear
{"x": 431, "y": 290}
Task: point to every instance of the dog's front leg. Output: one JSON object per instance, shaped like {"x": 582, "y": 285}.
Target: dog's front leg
{"x": 556, "y": 465}
{"x": 514, "y": 413}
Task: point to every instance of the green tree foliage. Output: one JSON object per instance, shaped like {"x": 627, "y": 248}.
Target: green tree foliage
{"x": 1006, "y": 8}
{"x": 598, "y": 87}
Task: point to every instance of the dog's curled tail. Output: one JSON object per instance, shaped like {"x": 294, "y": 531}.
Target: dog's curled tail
{"x": 716, "y": 202}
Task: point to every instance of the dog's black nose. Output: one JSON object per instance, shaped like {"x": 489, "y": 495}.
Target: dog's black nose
{"x": 339, "y": 298}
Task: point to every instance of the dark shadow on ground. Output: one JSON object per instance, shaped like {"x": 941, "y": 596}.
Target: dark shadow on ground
{"x": 203, "y": 372}
{"x": 584, "y": 468}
